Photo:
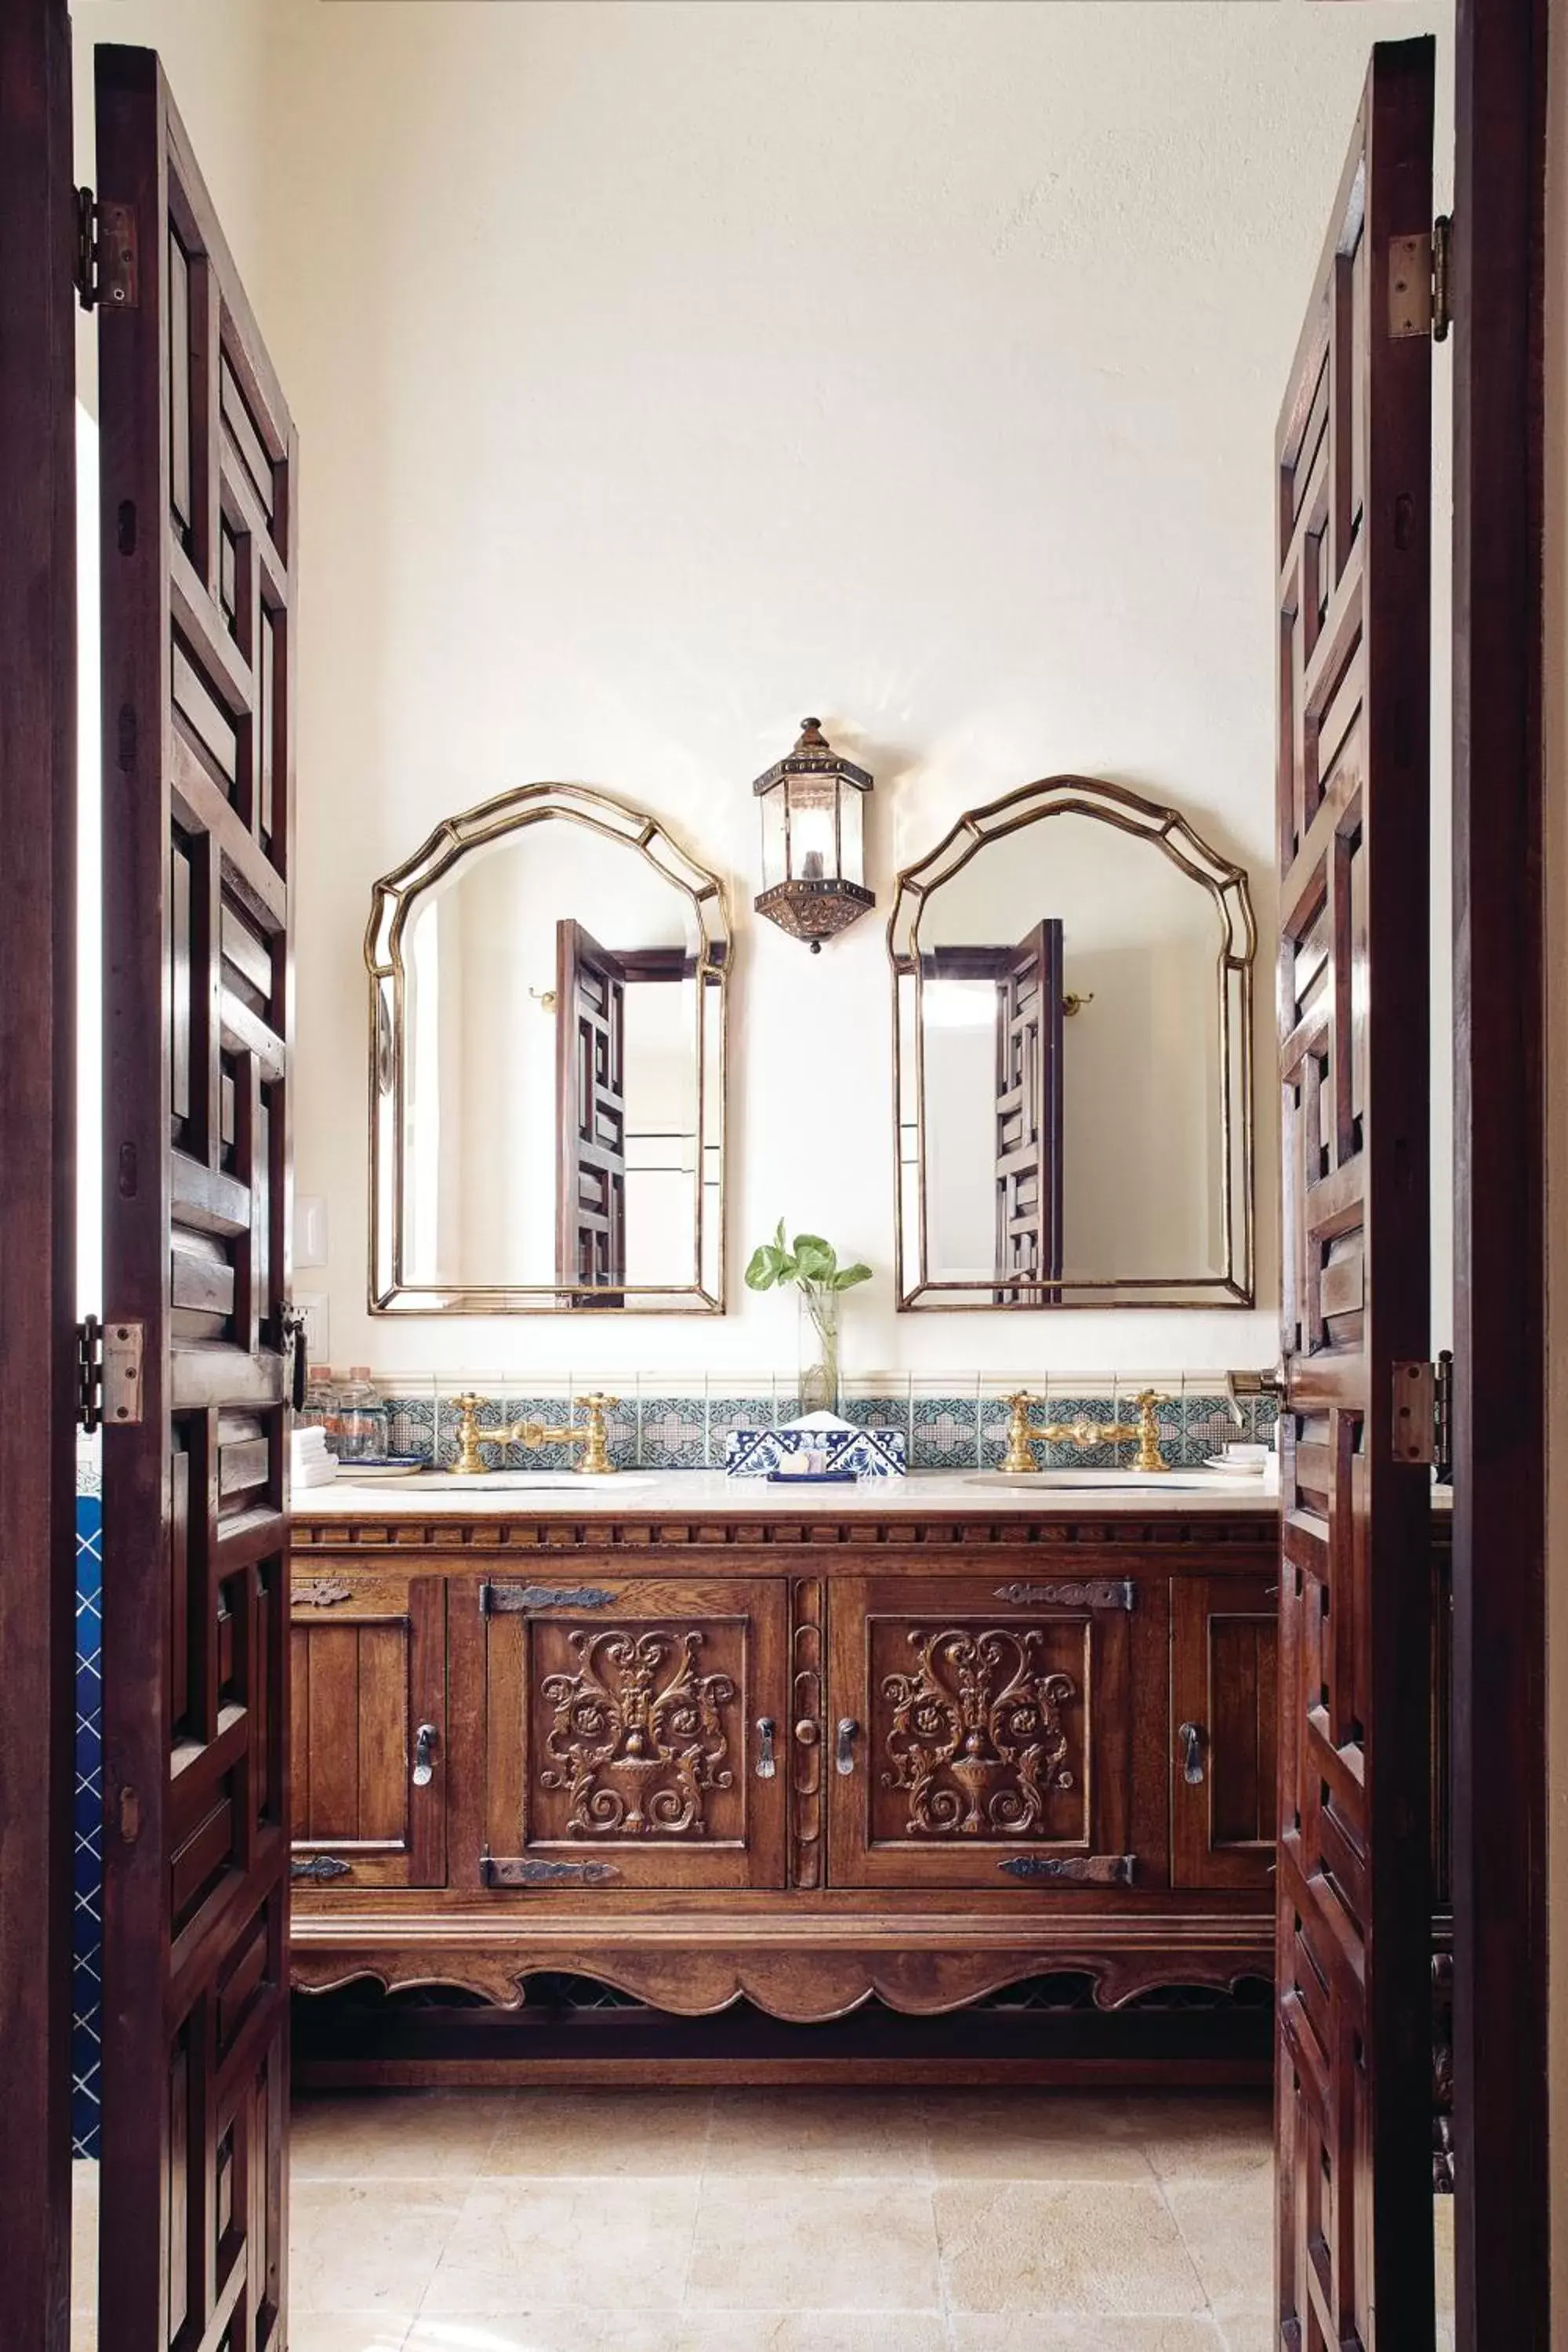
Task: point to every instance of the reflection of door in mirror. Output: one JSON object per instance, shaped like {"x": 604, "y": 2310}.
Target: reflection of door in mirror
{"x": 1029, "y": 1109}
{"x": 1004, "y": 1218}
{"x": 590, "y": 1116}
{"x": 1073, "y": 1068}
{"x": 549, "y": 1090}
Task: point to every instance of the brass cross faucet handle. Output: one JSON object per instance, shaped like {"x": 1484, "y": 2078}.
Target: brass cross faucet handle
{"x": 590, "y": 1435}
{"x": 1082, "y": 1433}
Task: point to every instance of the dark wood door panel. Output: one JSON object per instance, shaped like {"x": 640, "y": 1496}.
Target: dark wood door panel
{"x": 635, "y": 1732}
{"x": 368, "y": 1755}
{"x": 39, "y": 707}
{"x": 977, "y": 1740}
{"x": 1353, "y": 1866}
{"x": 1224, "y": 1718}
{"x": 196, "y": 491}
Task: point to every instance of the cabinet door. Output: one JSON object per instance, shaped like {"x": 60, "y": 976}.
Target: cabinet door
{"x": 979, "y": 1733}
{"x": 635, "y": 1731}
{"x": 369, "y": 1719}
{"x": 1223, "y": 1643}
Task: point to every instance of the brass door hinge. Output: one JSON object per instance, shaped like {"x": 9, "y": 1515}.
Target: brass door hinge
{"x": 109, "y": 1374}
{"x": 1418, "y": 302}
{"x": 105, "y": 254}
{"x": 1423, "y": 1414}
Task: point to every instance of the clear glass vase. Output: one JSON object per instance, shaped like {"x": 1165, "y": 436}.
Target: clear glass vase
{"x": 819, "y": 1375}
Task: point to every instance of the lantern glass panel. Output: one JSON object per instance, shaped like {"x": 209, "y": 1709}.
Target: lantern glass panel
{"x": 814, "y": 827}
{"x": 775, "y": 866}
{"x": 851, "y": 834}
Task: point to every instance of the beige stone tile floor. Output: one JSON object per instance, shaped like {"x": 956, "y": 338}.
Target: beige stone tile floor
{"x": 773, "y": 2222}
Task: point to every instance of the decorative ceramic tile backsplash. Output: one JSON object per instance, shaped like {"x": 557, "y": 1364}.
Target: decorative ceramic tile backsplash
{"x": 664, "y": 1424}
{"x": 87, "y": 1867}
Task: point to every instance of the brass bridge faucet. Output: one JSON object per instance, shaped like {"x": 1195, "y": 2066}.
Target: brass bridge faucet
{"x": 1083, "y": 1434}
{"x": 590, "y": 1435}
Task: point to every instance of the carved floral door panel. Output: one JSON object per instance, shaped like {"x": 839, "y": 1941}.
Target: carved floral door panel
{"x": 1224, "y": 1726}
{"x": 368, "y": 1720}
{"x": 635, "y": 1731}
{"x": 980, "y": 1733}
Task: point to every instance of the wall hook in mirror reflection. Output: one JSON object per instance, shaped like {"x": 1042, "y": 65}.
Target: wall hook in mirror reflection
{"x": 544, "y": 998}
{"x": 1076, "y": 1002}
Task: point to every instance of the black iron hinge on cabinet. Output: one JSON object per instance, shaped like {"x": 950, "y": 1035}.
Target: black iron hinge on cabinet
{"x": 529, "y": 1870}
{"x": 105, "y": 254}
{"x": 108, "y": 1374}
{"x": 522, "y": 1600}
{"x": 1424, "y": 1415}
{"x": 1418, "y": 292}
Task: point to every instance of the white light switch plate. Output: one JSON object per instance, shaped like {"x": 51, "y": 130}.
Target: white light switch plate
{"x": 313, "y": 1306}
{"x": 309, "y": 1229}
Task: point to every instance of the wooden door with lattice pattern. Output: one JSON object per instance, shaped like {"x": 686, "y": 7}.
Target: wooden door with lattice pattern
{"x": 1352, "y": 2111}
{"x": 1028, "y": 1115}
{"x": 199, "y": 523}
{"x": 591, "y": 1118}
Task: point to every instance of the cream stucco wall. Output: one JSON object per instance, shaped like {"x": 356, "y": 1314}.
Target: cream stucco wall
{"x": 214, "y": 53}
{"x": 665, "y": 371}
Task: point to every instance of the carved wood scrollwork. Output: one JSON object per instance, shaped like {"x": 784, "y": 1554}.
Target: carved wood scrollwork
{"x": 806, "y": 1742}
{"x": 638, "y": 1738}
{"x": 977, "y": 1740}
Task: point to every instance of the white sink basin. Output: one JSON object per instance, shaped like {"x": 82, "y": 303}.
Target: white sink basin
{"x": 512, "y": 1481}
{"x": 1106, "y": 1482}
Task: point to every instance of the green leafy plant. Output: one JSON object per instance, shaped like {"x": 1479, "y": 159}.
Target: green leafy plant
{"x": 812, "y": 1266}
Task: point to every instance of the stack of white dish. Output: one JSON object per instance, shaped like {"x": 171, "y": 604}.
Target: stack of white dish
{"x": 311, "y": 1465}
{"x": 1241, "y": 1461}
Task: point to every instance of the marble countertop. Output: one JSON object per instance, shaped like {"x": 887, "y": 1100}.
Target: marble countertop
{"x": 696, "y": 1493}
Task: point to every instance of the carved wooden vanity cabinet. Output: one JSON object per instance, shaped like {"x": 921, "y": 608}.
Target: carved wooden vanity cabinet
{"x": 804, "y": 1755}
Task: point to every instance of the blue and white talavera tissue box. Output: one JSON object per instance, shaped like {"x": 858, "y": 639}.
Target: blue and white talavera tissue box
{"x": 819, "y": 1442}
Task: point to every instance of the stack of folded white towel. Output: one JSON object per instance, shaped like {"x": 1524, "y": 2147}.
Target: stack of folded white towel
{"x": 312, "y": 1465}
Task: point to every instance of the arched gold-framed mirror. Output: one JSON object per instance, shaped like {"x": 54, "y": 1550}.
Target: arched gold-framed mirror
{"x": 1072, "y": 1060}
{"x": 548, "y": 1011}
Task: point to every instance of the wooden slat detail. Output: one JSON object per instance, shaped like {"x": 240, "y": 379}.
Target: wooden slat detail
{"x": 195, "y": 2041}
{"x": 1353, "y": 1880}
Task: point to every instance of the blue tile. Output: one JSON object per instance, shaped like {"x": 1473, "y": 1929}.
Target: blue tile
{"x": 944, "y": 1433}
{"x": 1208, "y": 1426}
{"x": 728, "y": 1412}
{"x": 87, "y": 1929}
{"x": 886, "y": 1412}
{"x": 672, "y": 1433}
{"x": 411, "y": 1425}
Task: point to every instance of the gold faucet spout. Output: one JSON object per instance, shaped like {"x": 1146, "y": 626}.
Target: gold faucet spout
{"x": 592, "y": 1435}
{"x": 1082, "y": 1433}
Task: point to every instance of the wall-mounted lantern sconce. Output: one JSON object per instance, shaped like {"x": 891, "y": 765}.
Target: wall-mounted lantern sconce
{"x": 814, "y": 850}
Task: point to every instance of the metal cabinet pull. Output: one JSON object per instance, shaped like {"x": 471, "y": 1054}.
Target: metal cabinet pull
{"x": 844, "y": 1751}
{"x": 425, "y": 1741}
{"x": 1192, "y": 1738}
{"x": 765, "y": 1766}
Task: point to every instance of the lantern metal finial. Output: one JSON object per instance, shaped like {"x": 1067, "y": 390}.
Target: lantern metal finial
{"x": 812, "y": 840}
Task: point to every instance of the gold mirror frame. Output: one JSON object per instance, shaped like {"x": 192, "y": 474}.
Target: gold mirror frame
{"x": 1115, "y": 805}
{"x": 393, "y": 900}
